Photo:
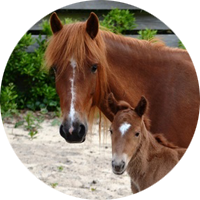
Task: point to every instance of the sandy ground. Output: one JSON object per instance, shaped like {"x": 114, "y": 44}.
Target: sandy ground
{"x": 80, "y": 170}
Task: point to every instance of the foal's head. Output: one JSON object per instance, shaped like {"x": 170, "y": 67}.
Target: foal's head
{"x": 76, "y": 52}
{"x": 126, "y": 131}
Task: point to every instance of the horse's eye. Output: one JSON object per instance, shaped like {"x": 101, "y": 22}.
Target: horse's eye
{"x": 111, "y": 131}
{"x": 94, "y": 68}
{"x": 137, "y": 134}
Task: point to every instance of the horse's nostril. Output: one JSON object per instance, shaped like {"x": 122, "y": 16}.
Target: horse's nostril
{"x": 81, "y": 132}
{"x": 62, "y": 132}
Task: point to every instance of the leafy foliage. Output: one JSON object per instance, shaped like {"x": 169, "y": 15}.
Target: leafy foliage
{"x": 147, "y": 34}
{"x": 23, "y": 83}
{"x": 8, "y": 98}
{"x": 118, "y": 20}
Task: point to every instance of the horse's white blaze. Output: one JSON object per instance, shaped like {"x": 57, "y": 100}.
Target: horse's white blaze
{"x": 124, "y": 127}
{"x": 72, "y": 109}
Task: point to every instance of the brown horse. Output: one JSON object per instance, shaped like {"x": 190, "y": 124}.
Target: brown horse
{"x": 146, "y": 157}
{"x": 90, "y": 62}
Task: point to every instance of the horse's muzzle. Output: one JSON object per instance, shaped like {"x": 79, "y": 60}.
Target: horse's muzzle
{"x": 74, "y": 133}
{"x": 118, "y": 168}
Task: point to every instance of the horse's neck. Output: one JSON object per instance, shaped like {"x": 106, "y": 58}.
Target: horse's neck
{"x": 128, "y": 78}
{"x": 148, "y": 148}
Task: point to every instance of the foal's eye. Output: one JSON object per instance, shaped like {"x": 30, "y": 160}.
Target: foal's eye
{"x": 94, "y": 68}
{"x": 111, "y": 132}
{"x": 137, "y": 134}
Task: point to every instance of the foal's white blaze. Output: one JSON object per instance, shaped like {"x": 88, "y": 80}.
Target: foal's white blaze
{"x": 72, "y": 109}
{"x": 124, "y": 127}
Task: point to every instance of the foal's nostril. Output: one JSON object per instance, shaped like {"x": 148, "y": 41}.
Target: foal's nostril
{"x": 113, "y": 163}
{"x": 122, "y": 165}
{"x": 118, "y": 167}
{"x": 81, "y": 132}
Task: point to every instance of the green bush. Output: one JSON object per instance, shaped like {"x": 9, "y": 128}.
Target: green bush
{"x": 25, "y": 84}
{"x": 8, "y": 100}
{"x": 147, "y": 34}
{"x": 118, "y": 21}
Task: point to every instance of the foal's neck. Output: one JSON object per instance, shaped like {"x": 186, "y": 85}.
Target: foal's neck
{"x": 150, "y": 145}
{"x": 148, "y": 149}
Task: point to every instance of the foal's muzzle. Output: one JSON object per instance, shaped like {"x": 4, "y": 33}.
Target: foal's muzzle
{"x": 73, "y": 133}
{"x": 118, "y": 167}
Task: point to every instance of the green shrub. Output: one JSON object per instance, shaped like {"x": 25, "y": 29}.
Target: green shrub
{"x": 186, "y": 42}
{"x": 7, "y": 100}
{"x": 21, "y": 69}
{"x": 147, "y": 34}
{"x": 181, "y": 45}
{"x": 118, "y": 21}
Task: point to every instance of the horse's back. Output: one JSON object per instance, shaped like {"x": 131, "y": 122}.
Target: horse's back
{"x": 178, "y": 97}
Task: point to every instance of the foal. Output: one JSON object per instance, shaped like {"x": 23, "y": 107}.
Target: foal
{"x": 146, "y": 157}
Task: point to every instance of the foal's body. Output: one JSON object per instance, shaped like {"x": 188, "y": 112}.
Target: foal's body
{"x": 161, "y": 173}
{"x": 146, "y": 157}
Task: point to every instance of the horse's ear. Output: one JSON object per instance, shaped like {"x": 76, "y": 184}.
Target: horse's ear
{"x": 55, "y": 23}
{"x": 92, "y": 25}
{"x": 141, "y": 107}
{"x": 112, "y": 103}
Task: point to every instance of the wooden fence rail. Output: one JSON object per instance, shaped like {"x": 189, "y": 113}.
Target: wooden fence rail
{"x": 170, "y": 17}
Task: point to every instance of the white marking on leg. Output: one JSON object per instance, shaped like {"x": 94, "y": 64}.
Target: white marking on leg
{"x": 124, "y": 127}
{"x": 72, "y": 109}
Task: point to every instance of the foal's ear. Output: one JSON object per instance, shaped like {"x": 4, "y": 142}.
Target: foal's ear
{"x": 112, "y": 103}
{"x": 141, "y": 107}
{"x": 92, "y": 25}
{"x": 55, "y": 23}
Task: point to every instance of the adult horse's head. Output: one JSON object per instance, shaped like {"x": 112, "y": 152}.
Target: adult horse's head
{"x": 76, "y": 52}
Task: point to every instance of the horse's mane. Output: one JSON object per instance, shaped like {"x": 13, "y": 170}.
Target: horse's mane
{"x": 141, "y": 47}
{"x": 161, "y": 139}
{"x": 156, "y": 42}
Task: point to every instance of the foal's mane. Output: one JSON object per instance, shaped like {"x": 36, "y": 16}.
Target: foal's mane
{"x": 161, "y": 139}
